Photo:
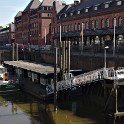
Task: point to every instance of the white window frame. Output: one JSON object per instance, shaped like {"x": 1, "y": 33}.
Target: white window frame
{"x": 86, "y": 10}
{"x": 95, "y": 7}
{"x": 120, "y": 21}
{"x": 119, "y": 2}
{"x": 78, "y": 12}
{"x": 106, "y": 5}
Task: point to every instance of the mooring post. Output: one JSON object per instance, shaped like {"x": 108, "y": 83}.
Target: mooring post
{"x": 17, "y": 52}
{"x": 13, "y": 45}
{"x": 55, "y": 78}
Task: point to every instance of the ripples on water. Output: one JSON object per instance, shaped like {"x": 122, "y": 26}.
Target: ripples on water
{"x": 20, "y": 108}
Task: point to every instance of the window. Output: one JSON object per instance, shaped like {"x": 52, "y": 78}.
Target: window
{"x": 114, "y": 22}
{"x": 119, "y": 2}
{"x": 71, "y": 13}
{"x": 96, "y": 8}
{"x": 92, "y": 23}
{"x": 97, "y": 24}
{"x": 78, "y": 27}
{"x": 120, "y": 21}
{"x": 69, "y": 27}
{"x": 106, "y": 5}
{"x": 72, "y": 27}
{"x": 65, "y": 15}
{"x": 75, "y": 27}
{"x": 87, "y": 25}
{"x": 78, "y": 12}
{"x": 86, "y": 10}
{"x": 107, "y": 23}
{"x": 103, "y": 23}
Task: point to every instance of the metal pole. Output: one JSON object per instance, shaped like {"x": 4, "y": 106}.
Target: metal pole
{"x": 55, "y": 78}
{"x": 68, "y": 67}
{"x": 13, "y": 45}
{"x": 45, "y": 36}
{"x": 63, "y": 59}
{"x": 114, "y": 41}
{"x": 105, "y": 58}
{"x": 60, "y": 33}
{"x": 82, "y": 44}
{"x": 17, "y": 52}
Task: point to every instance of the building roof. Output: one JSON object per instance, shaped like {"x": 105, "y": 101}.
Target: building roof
{"x": 19, "y": 14}
{"x": 32, "y": 5}
{"x": 90, "y": 4}
{"x": 47, "y": 2}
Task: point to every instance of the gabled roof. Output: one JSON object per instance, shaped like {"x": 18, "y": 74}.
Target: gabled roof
{"x": 32, "y": 5}
{"x": 47, "y": 2}
{"x": 19, "y": 14}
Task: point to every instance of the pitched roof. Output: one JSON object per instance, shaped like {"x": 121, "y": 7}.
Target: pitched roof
{"x": 32, "y": 5}
{"x": 19, "y": 14}
{"x": 47, "y": 2}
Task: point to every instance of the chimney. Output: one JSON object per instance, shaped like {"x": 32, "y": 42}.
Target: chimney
{"x": 76, "y": 2}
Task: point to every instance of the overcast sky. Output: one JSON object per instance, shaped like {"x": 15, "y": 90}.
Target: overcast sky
{"x": 9, "y": 9}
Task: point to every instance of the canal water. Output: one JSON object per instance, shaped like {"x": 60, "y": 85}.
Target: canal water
{"x": 20, "y": 108}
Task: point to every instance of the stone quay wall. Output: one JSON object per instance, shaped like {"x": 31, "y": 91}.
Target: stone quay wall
{"x": 77, "y": 61}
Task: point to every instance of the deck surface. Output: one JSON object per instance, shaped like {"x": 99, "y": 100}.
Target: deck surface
{"x": 35, "y": 67}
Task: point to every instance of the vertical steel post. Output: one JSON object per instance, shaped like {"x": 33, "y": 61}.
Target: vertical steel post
{"x": 114, "y": 39}
{"x": 105, "y": 58}
{"x": 55, "y": 78}
{"x": 82, "y": 43}
{"x": 63, "y": 58}
{"x": 68, "y": 64}
{"x": 66, "y": 56}
{"x": 17, "y": 52}
{"x": 13, "y": 45}
{"x": 60, "y": 60}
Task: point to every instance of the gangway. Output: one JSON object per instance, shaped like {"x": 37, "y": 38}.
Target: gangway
{"x": 87, "y": 78}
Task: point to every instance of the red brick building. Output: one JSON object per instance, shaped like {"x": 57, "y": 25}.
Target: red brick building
{"x": 7, "y": 34}
{"x": 98, "y": 18}
{"x": 32, "y": 25}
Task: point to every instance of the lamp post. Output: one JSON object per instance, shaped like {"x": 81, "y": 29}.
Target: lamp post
{"x": 105, "y": 56}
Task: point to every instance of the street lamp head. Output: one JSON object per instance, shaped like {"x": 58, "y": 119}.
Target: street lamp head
{"x": 106, "y": 47}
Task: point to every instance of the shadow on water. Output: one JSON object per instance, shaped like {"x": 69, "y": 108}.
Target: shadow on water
{"x": 22, "y": 108}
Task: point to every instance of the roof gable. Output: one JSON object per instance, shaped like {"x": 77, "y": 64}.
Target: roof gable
{"x": 32, "y": 5}
{"x": 47, "y": 2}
{"x": 19, "y": 14}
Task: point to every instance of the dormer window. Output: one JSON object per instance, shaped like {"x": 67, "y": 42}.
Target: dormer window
{"x": 65, "y": 15}
{"x": 96, "y": 8}
{"x": 106, "y": 5}
{"x": 119, "y": 2}
{"x": 86, "y": 10}
{"x": 71, "y": 13}
{"x": 78, "y": 12}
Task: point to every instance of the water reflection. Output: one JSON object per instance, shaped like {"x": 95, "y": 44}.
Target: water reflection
{"x": 20, "y": 108}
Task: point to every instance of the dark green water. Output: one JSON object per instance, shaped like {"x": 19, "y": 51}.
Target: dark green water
{"x": 20, "y": 108}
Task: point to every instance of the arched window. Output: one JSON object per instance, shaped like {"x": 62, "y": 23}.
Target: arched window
{"x": 120, "y": 21}
{"x": 114, "y": 22}
{"x": 75, "y": 27}
{"x": 92, "y": 23}
{"x": 69, "y": 27}
{"x": 87, "y": 25}
{"x": 72, "y": 28}
{"x": 103, "y": 23}
{"x": 97, "y": 25}
{"x": 79, "y": 27}
{"x": 65, "y": 28}
{"x": 107, "y": 23}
